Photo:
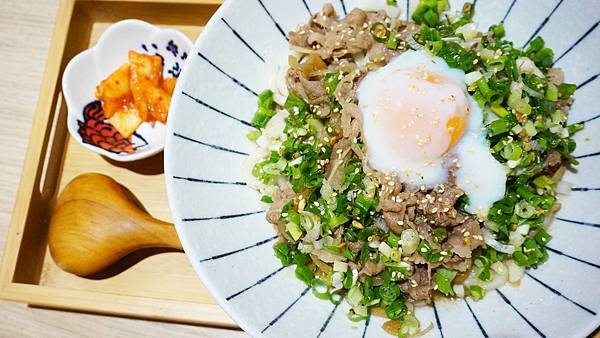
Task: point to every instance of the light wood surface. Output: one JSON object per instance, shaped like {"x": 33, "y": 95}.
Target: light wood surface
{"x": 25, "y": 30}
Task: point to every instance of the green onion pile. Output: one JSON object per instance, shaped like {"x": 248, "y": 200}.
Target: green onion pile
{"x": 526, "y": 124}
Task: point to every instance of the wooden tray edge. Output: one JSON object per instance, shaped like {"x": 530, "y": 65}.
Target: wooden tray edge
{"x": 130, "y": 306}
{"x": 28, "y": 192}
{"x": 29, "y": 199}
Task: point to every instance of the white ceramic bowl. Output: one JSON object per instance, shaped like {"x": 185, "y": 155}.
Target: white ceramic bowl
{"x": 222, "y": 226}
{"x": 86, "y": 122}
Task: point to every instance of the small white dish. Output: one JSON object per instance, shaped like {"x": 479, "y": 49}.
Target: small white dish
{"x": 86, "y": 122}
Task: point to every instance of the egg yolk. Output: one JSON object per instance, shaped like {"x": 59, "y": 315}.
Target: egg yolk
{"x": 422, "y": 114}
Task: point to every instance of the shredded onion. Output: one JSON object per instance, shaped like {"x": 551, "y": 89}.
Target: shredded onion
{"x": 469, "y": 31}
{"x": 413, "y": 43}
{"x": 563, "y": 188}
{"x": 472, "y": 77}
{"x": 491, "y": 241}
{"x": 515, "y": 272}
{"x": 532, "y": 92}
{"x": 424, "y": 331}
{"x": 525, "y": 65}
{"x": 459, "y": 290}
{"x": 380, "y": 223}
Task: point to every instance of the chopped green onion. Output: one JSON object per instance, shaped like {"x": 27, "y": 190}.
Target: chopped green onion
{"x": 575, "y": 128}
{"x": 265, "y": 109}
{"x": 497, "y": 31}
{"x": 389, "y": 292}
{"x": 397, "y": 310}
{"x": 392, "y": 42}
{"x": 393, "y": 240}
{"x": 320, "y": 289}
{"x": 468, "y": 10}
{"x": 477, "y": 291}
{"x": 565, "y": 90}
{"x": 354, "y": 296}
{"x": 551, "y": 92}
{"x": 358, "y": 313}
{"x": 410, "y": 326}
{"x": 409, "y": 240}
{"x": 266, "y": 199}
{"x": 512, "y": 151}
{"x": 544, "y": 182}
{"x": 499, "y": 110}
{"x": 434, "y": 47}
{"x": 283, "y": 252}
{"x": 542, "y": 237}
{"x": 483, "y": 87}
{"x": 253, "y": 135}
{"x": 500, "y": 126}
{"x": 379, "y": 32}
{"x": 443, "y": 280}
{"x": 439, "y": 234}
{"x": 294, "y": 230}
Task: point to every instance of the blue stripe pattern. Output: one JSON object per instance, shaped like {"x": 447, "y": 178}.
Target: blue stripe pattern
{"x": 512, "y": 4}
{"x": 584, "y": 189}
{"x": 556, "y": 292}
{"x": 236, "y": 81}
{"x": 196, "y": 219}
{"x": 200, "y": 180}
{"x": 366, "y": 326}
{"x": 573, "y": 258}
{"x": 594, "y": 26}
{"x": 578, "y": 222}
{"x": 260, "y": 281}
{"x": 271, "y": 323}
{"x": 242, "y": 40}
{"x": 216, "y": 147}
{"x": 476, "y": 319}
{"x": 307, "y": 8}
{"x": 594, "y": 77}
{"x": 197, "y": 100}
{"x": 265, "y": 241}
{"x": 590, "y": 119}
{"x": 322, "y": 329}
{"x": 543, "y": 23}
{"x": 437, "y": 319}
{"x": 588, "y": 155}
{"x": 520, "y": 314}
{"x": 273, "y": 19}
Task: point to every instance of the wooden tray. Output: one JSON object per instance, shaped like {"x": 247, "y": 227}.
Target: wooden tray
{"x": 162, "y": 286}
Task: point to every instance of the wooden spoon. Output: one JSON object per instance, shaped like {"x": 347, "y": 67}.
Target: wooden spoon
{"x": 96, "y": 222}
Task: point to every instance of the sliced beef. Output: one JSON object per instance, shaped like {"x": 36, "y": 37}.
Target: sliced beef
{"x": 457, "y": 263}
{"x": 380, "y": 54}
{"x": 552, "y": 161}
{"x": 280, "y": 199}
{"x": 372, "y": 269}
{"x": 312, "y": 92}
{"x": 418, "y": 286}
{"x": 556, "y": 76}
{"x": 332, "y": 38}
{"x": 395, "y": 221}
{"x": 465, "y": 238}
{"x": 437, "y": 205}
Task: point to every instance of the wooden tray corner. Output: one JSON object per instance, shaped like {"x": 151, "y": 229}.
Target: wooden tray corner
{"x": 155, "y": 285}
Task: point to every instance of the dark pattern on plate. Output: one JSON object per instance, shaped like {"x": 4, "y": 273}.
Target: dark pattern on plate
{"x": 96, "y": 131}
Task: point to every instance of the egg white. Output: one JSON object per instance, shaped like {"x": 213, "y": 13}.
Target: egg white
{"x": 479, "y": 175}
